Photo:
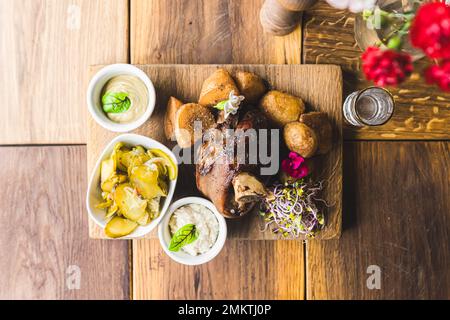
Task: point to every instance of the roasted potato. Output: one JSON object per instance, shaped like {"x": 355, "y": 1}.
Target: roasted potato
{"x": 318, "y": 121}
{"x": 281, "y": 108}
{"x": 250, "y": 85}
{"x": 301, "y": 139}
{"x": 172, "y": 107}
{"x": 217, "y": 88}
{"x": 186, "y": 117}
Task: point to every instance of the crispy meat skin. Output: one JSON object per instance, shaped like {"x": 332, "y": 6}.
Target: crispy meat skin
{"x": 215, "y": 171}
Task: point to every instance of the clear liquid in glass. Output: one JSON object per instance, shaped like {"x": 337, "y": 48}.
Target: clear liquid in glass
{"x": 373, "y": 106}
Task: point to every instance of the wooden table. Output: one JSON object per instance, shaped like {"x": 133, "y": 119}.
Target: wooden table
{"x": 396, "y": 177}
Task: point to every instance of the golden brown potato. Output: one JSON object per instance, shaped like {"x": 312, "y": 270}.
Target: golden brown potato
{"x": 250, "y": 85}
{"x": 318, "y": 121}
{"x": 281, "y": 108}
{"x": 217, "y": 88}
{"x": 186, "y": 117}
{"x": 172, "y": 107}
{"x": 301, "y": 139}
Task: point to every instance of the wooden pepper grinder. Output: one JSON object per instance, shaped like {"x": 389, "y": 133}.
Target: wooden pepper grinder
{"x": 280, "y": 17}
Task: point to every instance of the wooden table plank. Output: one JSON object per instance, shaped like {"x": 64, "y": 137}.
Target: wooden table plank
{"x": 206, "y": 31}
{"x": 45, "y": 49}
{"x": 422, "y": 111}
{"x": 397, "y": 217}
{"x": 213, "y": 31}
{"x": 44, "y": 233}
{"x": 243, "y": 270}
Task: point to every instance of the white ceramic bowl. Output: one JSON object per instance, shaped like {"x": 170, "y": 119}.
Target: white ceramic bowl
{"x": 181, "y": 256}
{"x": 94, "y": 193}
{"x": 95, "y": 89}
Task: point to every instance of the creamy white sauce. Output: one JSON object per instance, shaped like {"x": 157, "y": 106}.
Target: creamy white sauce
{"x": 137, "y": 93}
{"x": 205, "y": 221}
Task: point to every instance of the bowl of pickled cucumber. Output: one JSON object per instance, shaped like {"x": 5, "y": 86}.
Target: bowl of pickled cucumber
{"x": 131, "y": 186}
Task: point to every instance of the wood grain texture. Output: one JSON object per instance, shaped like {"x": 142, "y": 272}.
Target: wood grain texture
{"x": 422, "y": 111}
{"x": 243, "y": 270}
{"x": 206, "y": 31}
{"x": 43, "y": 221}
{"x": 320, "y": 87}
{"x": 45, "y": 49}
{"x": 397, "y": 217}
{"x": 159, "y": 34}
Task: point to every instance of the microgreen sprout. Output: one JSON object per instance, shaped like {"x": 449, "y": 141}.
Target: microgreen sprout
{"x": 292, "y": 210}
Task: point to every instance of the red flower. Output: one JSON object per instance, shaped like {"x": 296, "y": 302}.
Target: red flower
{"x": 431, "y": 30}
{"x": 439, "y": 75}
{"x": 386, "y": 67}
{"x": 295, "y": 166}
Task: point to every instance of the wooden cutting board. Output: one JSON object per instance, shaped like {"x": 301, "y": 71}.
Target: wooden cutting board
{"x": 320, "y": 86}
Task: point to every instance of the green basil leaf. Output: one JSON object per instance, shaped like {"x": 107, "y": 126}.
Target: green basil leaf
{"x": 221, "y": 105}
{"x": 116, "y": 102}
{"x": 185, "y": 235}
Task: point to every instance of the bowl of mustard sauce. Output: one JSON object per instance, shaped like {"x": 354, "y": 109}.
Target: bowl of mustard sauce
{"x": 121, "y": 97}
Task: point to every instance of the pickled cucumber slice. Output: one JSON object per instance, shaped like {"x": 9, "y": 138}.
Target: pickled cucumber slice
{"x": 107, "y": 170}
{"x": 144, "y": 220}
{"x": 119, "y": 227}
{"x": 145, "y": 180}
{"x": 133, "y": 158}
{"x": 112, "y": 181}
{"x": 112, "y": 210}
{"x": 171, "y": 166}
{"x": 129, "y": 203}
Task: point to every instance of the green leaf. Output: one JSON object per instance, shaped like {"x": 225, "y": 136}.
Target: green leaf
{"x": 395, "y": 43}
{"x": 367, "y": 14}
{"x": 116, "y": 102}
{"x": 184, "y": 236}
{"x": 221, "y": 105}
{"x": 321, "y": 219}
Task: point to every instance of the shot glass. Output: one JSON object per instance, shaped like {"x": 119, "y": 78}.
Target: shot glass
{"x": 372, "y": 106}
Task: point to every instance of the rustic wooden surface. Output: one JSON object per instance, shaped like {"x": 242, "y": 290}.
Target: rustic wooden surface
{"x": 235, "y": 23}
{"x": 422, "y": 111}
{"x": 397, "y": 218}
{"x": 44, "y": 229}
{"x": 243, "y": 270}
{"x": 413, "y": 257}
{"x": 45, "y": 49}
{"x": 206, "y": 31}
{"x": 185, "y": 82}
